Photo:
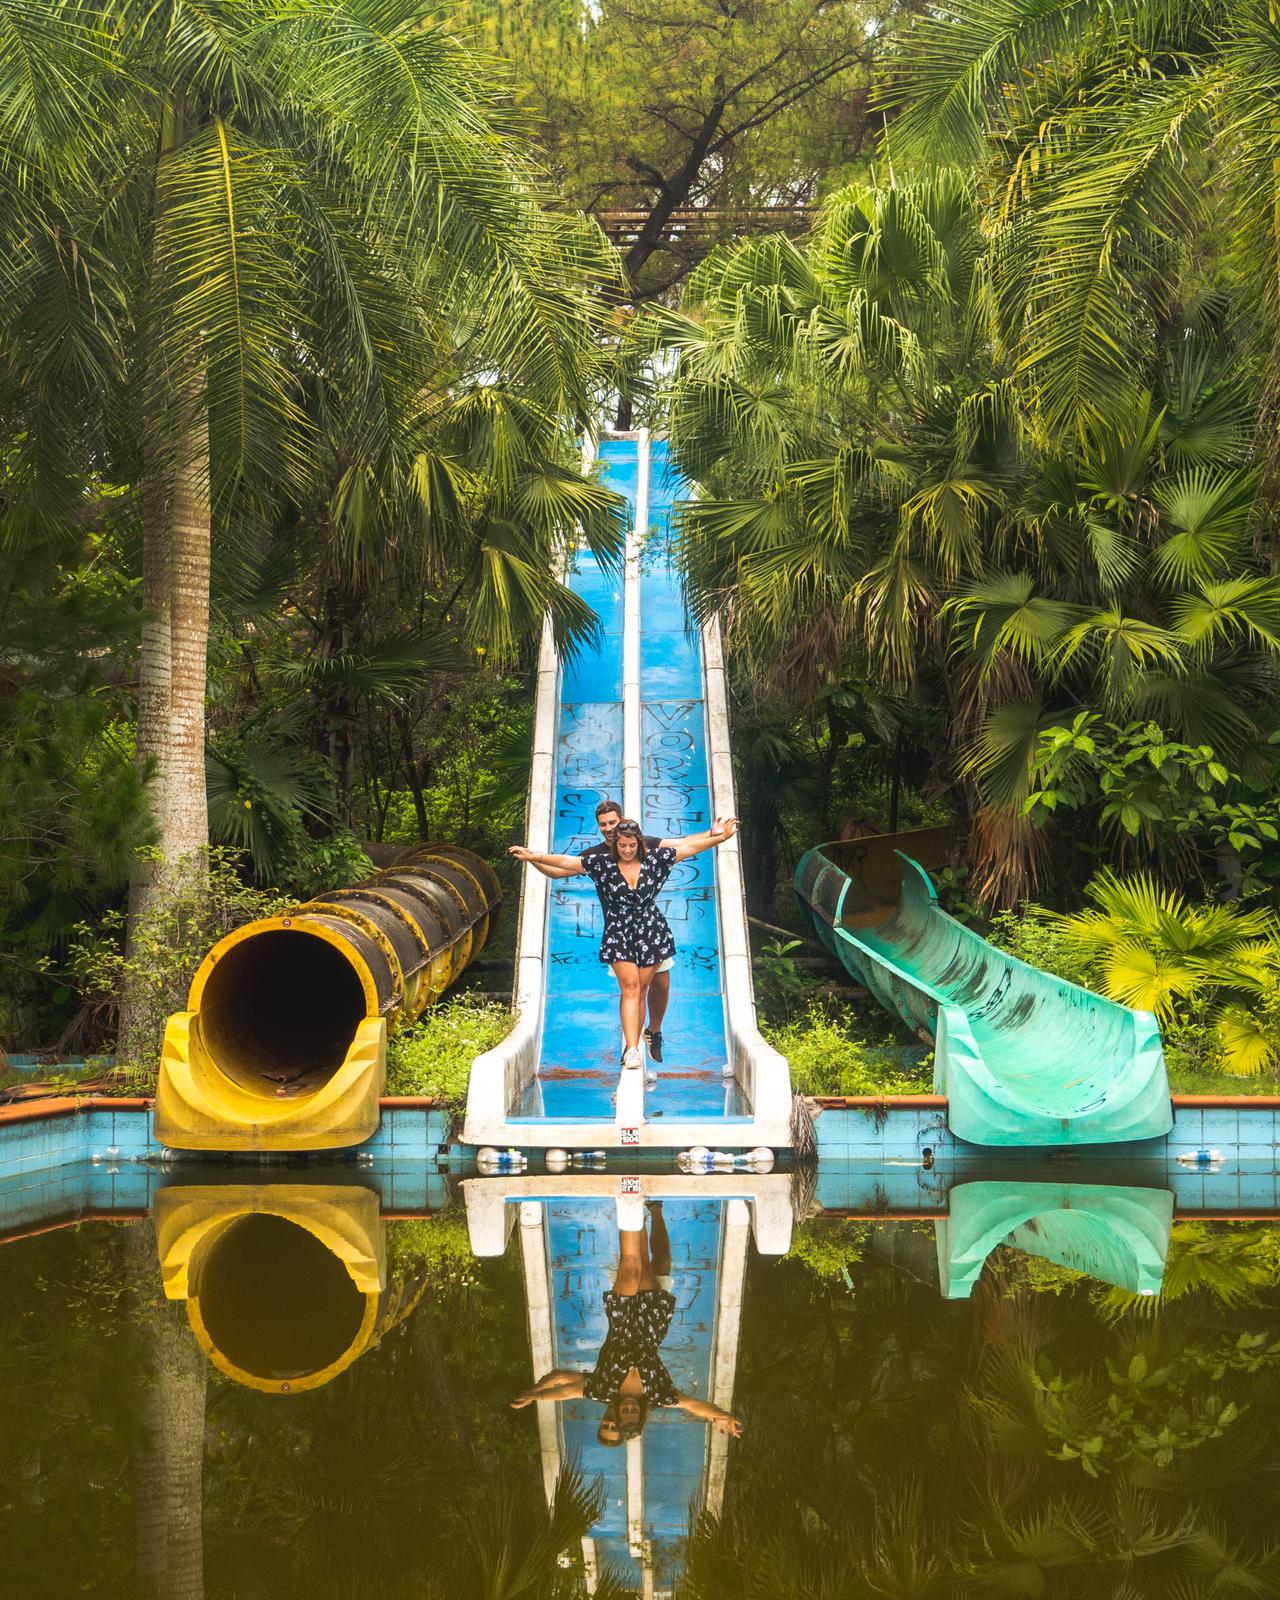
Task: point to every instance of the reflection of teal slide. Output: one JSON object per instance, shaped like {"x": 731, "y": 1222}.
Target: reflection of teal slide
{"x": 1023, "y": 1058}
{"x": 1118, "y": 1235}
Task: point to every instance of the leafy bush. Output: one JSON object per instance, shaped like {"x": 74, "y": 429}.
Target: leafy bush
{"x": 1037, "y": 937}
{"x": 829, "y": 1055}
{"x": 829, "y": 1246}
{"x": 781, "y": 986}
{"x": 434, "y": 1056}
{"x": 162, "y": 958}
{"x": 1207, "y": 972}
{"x": 439, "y": 1247}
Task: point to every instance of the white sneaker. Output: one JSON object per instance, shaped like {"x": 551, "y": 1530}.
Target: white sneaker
{"x": 631, "y": 1057}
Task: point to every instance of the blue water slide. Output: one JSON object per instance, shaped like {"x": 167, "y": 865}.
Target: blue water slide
{"x": 638, "y": 718}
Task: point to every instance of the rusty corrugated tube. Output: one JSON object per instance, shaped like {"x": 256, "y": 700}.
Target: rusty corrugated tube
{"x": 280, "y": 999}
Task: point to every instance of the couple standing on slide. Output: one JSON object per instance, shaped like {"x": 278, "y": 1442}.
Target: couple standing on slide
{"x": 629, "y": 869}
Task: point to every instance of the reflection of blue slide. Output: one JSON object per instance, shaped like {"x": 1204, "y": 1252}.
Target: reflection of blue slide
{"x": 578, "y": 1069}
{"x": 1118, "y": 1235}
{"x": 650, "y": 1494}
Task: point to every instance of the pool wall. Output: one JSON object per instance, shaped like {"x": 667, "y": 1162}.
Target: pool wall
{"x": 1242, "y": 1128}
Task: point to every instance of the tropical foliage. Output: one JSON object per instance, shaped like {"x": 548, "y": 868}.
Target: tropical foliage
{"x": 1145, "y": 946}
{"x": 294, "y": 342}
{"x": 1033, "y": 1443}
{"x": 886, "y": 501}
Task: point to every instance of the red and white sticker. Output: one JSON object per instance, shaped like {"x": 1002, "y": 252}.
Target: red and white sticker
{"x": 630, "y": 1184}
{"x": 631, "y": 1136}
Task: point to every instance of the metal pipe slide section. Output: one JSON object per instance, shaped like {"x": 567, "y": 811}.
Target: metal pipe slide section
{"x": 641, "y": 719}
{"x": 1117, "y": 1235}
{"x": 285, "y": 1284}
{"x": 1023, "y": 1057}
{"x": 283, "y": 1045}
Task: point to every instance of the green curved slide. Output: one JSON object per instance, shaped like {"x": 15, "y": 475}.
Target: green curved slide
{"x": 1023, "y": 1057}
{"x": 1117, "y": 1235}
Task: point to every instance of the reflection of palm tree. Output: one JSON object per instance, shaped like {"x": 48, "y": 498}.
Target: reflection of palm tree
{"x": 930, "y": 1461}
{"x": 169, "y": 1459}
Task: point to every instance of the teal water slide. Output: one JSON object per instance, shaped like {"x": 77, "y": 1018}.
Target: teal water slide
{"x": 1117, "y": 1235}
{"x": 1023, "y": 1057}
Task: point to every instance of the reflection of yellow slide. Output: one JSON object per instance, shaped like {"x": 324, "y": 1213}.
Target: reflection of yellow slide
{"x": 285, "y": 1283}
{"x": 283, "y": 1045}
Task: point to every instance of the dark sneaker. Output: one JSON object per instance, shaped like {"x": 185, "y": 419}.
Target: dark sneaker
{"x": 653, "y": 1038}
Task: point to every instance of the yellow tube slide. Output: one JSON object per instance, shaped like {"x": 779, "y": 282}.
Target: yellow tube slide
{"x": 283, "y": 1045}
{"x": 285, "y": 1284}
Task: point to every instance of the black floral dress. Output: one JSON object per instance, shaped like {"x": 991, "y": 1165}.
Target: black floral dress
{"x": 634, "y": 928}
{"x": 638, "y": 1324}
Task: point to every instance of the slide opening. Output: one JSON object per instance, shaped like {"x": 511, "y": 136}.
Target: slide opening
{"x": 279, "y": 1007}
{"x": 275, "y": 1302}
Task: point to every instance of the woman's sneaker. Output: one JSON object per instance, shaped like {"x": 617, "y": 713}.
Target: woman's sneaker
{"x": 631, "y": 1058}
{"x": 653, "y": 1039}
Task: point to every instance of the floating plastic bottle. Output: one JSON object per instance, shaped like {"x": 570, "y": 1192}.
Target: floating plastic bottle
{"x": 700, "y": 1159}
{"x": 589, "y": 1158}
{"x": 490, "y": 1160}
{"x": 1199, "y": 1158}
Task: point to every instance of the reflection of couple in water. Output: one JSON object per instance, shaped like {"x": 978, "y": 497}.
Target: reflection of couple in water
{"x": 629, "y": 869}
{"x": 629, "y": 1376}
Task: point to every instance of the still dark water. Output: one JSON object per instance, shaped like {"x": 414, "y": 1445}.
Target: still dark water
{"x": 1048, "y": 1436}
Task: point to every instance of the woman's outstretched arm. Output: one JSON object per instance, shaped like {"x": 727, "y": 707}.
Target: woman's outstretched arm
{"x": 557, "y": 1385}
{"x": 693, "y": 844}
{"x": 550, "y": 866}
{"x": 725, "y": 1421}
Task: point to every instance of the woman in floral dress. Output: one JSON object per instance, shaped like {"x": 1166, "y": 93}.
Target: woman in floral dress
{"x": 628, "y": 878}
{"x": 629, "y": 1375}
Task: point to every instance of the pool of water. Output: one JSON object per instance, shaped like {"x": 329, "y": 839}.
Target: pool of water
{"x": 286, "y": 1389}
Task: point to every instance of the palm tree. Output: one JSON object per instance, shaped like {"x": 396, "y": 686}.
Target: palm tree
{"x": 1118, "y": 146}
{"x": 1144, "y": 946}
{"x": 879, "y": 484}
{"x": 169, "y": 1456}
{"x": 270, "y": 235}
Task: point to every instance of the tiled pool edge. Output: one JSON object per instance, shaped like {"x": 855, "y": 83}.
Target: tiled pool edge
{"x": 65, "y": 1159}
{"x": 38, "y": 1136}
{"x": 41, "y": 1135}
{"x": 898, "y": 1127}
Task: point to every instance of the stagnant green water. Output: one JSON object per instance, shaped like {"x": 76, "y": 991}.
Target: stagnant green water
{"x": 1047, "y": 1437}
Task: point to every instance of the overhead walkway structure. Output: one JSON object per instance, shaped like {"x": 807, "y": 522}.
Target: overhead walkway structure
{"x": 641, "y": 719}
{"x": 1023, "y": 1057}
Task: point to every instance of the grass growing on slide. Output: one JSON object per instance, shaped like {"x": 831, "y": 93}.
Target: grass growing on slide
{"x": 434, "y": 1056}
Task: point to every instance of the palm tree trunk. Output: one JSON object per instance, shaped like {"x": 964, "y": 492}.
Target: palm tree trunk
{"x": 168, "y": 1468}
{"x": 172, "y": 663}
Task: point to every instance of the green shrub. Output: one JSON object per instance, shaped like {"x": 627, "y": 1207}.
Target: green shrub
{"x": 439, "y": 1247}
{"x": 162, "y": 957}
{"x": 1037, "y": 937}
{"x": 829, "y": 1055}
{"x": 829, "y": 1246}
{"x": 434, "y": 1056}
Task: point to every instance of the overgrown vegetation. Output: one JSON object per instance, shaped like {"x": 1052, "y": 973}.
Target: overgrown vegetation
{"x": 434, "y": 1056}
{"x": 982, "y": 433}
{"x": 828, "y": 1054}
